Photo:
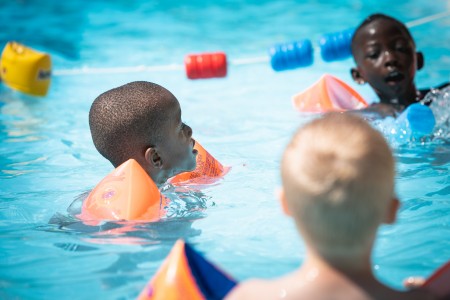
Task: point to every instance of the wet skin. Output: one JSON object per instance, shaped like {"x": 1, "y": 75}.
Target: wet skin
{"x": 176, "y": 150}
{"x": 386, "y": 59}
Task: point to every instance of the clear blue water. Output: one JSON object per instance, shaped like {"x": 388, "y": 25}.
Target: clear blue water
{"x": 47, "y": 157}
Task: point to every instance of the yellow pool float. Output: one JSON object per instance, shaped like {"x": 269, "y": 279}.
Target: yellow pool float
{"x": 25, "y": 69}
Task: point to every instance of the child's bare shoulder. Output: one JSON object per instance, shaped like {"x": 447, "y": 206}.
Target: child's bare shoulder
{"x": 265, "y": 289}
{"x": 258, "y": 289}
{"x": 285, "y": 287}
{"x": 250, "y": 289}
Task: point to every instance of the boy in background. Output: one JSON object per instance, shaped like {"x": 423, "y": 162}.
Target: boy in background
{"x": 386, "y": 58}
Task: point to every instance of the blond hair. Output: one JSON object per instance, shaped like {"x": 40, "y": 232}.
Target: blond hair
{"x": 338, "y": 176}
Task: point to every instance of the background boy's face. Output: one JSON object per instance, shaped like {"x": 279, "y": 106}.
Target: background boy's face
{"x": 386, "y": 58}
{"x": 177, "y": 151}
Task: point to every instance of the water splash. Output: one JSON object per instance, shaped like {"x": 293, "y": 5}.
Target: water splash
{"x": 440, "y": 106}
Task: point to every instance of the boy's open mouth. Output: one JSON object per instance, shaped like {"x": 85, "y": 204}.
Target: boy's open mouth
{"x": 394, "y": 77}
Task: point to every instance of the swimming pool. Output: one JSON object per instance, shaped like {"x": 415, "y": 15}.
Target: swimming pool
{"x": 244, "y": 120}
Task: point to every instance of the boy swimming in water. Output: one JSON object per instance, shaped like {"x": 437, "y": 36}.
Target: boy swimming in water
{"x": 386, "y": 58}
{"x": 142, "y": 120}
{"x": 338, "y": 194}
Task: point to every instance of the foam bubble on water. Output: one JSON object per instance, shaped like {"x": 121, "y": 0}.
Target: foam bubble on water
{"x": 396, "y": 134}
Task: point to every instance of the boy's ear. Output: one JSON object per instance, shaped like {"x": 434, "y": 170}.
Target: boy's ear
{"x": 391, "y": 215}
{"x": 356, "y": 75}
{"x": 153, "y": 158}
{"x": 283, "y": 202}
{"x": 420, "y": 60}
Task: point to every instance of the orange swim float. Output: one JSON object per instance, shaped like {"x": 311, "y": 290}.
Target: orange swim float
{"x": 208, "y": 169}
{"x": 328, "y": 94}
{"x": 186, "y": 274}
{"x": 127, "y": 193}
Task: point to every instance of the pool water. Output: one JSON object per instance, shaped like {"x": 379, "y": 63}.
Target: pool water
{"x": 244, "y": 120}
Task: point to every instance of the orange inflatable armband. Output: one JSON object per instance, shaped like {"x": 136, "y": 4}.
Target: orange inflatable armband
{"x": 207, "y": 171}
{"x": 328, "y": 94}
{"x": 127, "y": 193}
{"x": 186, "y": 274}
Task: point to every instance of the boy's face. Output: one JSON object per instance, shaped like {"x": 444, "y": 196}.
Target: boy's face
{"x": 177, "y": 151}
{"x": 385, "y": 57}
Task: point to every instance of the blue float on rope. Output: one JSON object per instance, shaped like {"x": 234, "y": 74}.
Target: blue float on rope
{"x": 291, "y": 55}
{"x": 336, "y": 45}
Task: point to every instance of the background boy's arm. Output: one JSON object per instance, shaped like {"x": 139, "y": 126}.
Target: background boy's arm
{"x": 380, "y": 109}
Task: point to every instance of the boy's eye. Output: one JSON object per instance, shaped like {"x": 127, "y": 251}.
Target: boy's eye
{"x": 183, "y": 125}
{"x": 372, "y": 54}
{"x": 401, "y": 47}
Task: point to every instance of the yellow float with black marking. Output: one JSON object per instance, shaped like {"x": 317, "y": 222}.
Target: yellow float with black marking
{"x": 25, "y": 69}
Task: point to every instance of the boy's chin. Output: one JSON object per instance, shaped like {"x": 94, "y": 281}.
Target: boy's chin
{"x": 392, "y": 92}
{"x": 396, "y": 87}
{"x": 189, "y": 167}
{"x": 193, "y": 165}
{"x": 399, "y": 86}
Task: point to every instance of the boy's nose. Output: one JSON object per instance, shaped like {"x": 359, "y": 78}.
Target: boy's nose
{"x": 188, "y": 130}
{"x": 390, "y": 59}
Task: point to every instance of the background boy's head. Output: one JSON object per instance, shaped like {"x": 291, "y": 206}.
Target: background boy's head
{"x": 338, "y": 183}
{"x": 386, "y": 58}
{"x": 142, "y": 120}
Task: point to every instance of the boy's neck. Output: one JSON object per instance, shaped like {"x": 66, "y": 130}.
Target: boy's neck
{"x": 347, "y": 275}
{"x": 402, "y": 100}
{"x": 350, "y": 276}
{"x": 159, "y": 176}
{"x": 351, "y": 264}
{"x": 159, "y": 179}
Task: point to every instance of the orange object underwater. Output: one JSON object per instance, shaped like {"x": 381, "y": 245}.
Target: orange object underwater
{"x": 127, "y": 193}
{"x": 328, "y": 94}
{"x": 207, "y": 171}
{"x": 185, "y": 274}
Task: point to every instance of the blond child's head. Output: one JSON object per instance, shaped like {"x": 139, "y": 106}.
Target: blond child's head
{"x": 338, "y": 183}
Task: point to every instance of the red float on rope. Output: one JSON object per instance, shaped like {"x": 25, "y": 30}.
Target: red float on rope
{"x": 206, "y": 65}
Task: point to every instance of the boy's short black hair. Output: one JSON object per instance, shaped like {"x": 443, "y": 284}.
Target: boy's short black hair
{"x": 379, "y": 16}
{"x": 126, "y": 119}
